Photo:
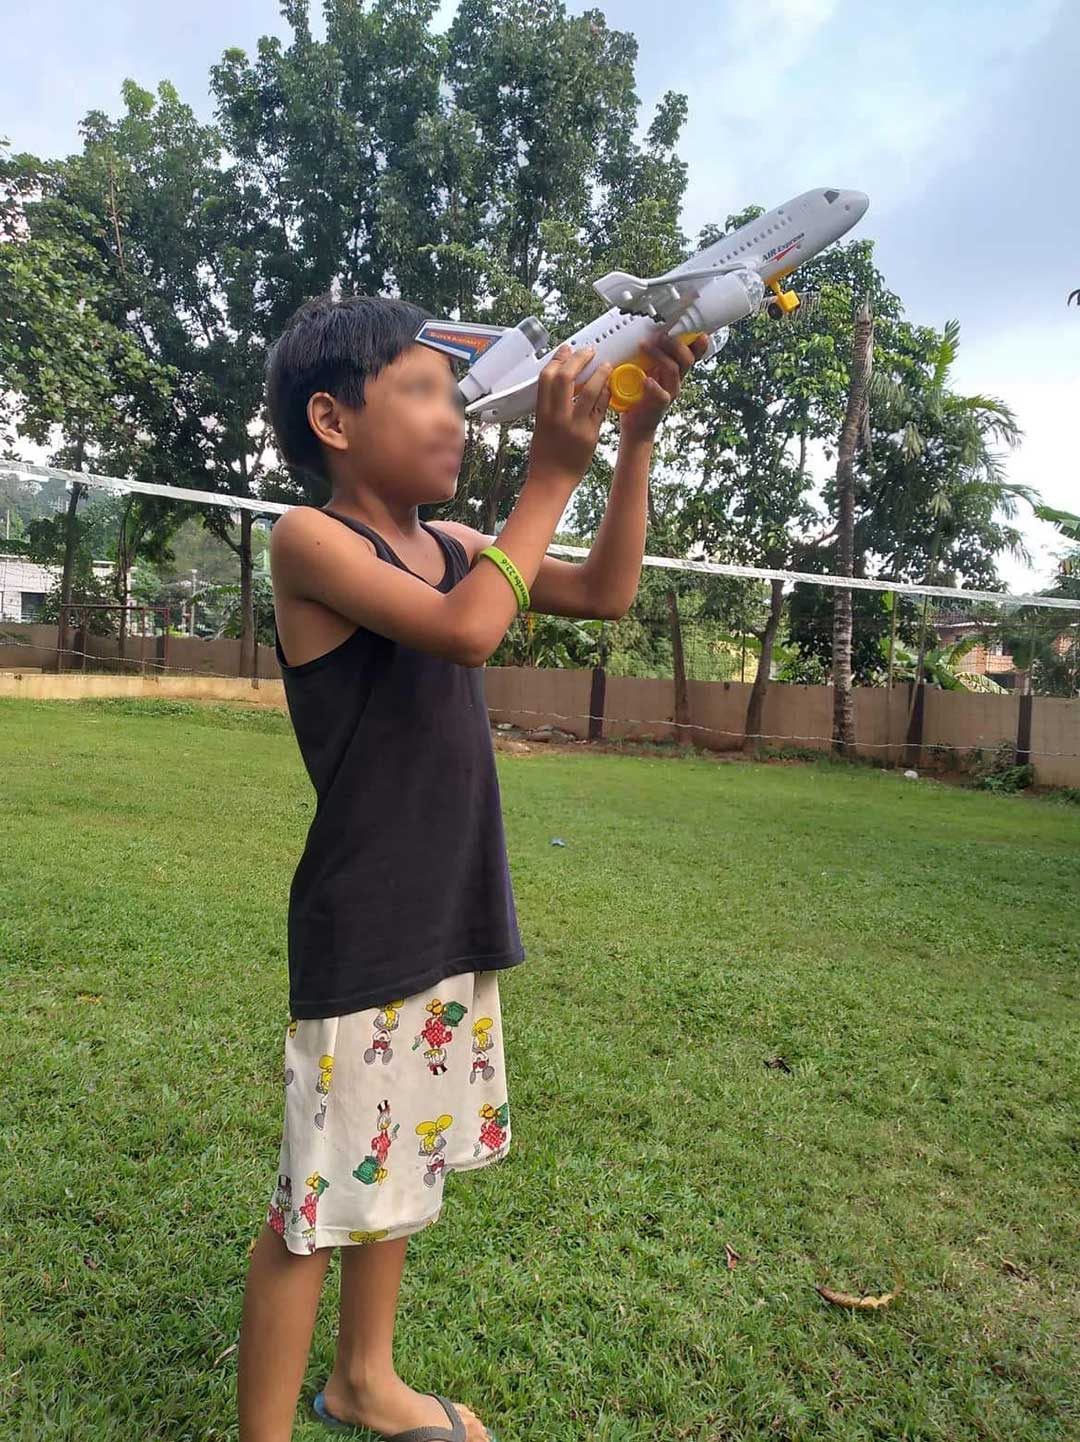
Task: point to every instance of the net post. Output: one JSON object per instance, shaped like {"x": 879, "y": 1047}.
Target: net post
{"x": 914, "y": 740}
{"x": 1023, "y": 729}
{"x": 597, "y": 697}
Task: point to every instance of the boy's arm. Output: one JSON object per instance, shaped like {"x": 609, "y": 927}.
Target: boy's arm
{"x": 605, "y": 584}
{"x": 313, "y": 557}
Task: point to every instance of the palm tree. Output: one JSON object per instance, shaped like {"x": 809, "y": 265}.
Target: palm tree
{"x": 951, "y": 439}
{"x": 856, "y": 425}
{"x": 1066, "y": 522}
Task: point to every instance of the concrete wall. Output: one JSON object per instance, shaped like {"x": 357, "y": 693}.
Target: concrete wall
{"x": 34, "y": 645}
{"x": 971, "y": 718}
{"x": 880, "y": 721}
{"x": 30, "y": 645}
{"x": 633, "y": 707}
{"x": 539, "y": 697}
{"x": 1055, "y": 728}
{"x": 48, "y": 686}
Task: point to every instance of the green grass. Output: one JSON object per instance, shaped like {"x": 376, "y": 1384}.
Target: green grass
{"x": 911, "y": 950}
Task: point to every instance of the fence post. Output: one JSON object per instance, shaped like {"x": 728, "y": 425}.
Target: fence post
{"x": 915, "y": 729}
{"x": 596, "y": 704}
{"x": 1023, "y": 730}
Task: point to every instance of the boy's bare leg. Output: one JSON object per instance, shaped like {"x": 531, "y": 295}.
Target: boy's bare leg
{"x": 364, "y": 1388}
{"x": 281, "y": 1300}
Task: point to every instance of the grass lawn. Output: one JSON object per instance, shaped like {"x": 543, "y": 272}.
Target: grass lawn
{"x": 911, "y": 950}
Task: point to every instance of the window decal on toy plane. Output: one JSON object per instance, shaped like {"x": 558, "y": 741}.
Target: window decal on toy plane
{"x": 778, "y": 252}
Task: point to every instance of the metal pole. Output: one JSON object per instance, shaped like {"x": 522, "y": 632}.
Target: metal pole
{"x": 892, "y": 637}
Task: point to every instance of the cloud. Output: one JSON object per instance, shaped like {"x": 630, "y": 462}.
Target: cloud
{"x": 956, "y": 131}
{"x": 953, "y": 118}
{"x": 77, "y": 61}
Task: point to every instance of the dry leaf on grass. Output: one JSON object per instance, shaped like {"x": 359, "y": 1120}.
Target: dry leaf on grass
{"x": 865, "y": 1304}
{"x": 732, "y": 1256}
{"x": 1015, "y": 1271}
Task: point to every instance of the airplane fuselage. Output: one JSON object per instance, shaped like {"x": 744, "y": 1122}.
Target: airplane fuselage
{"x": 771, "y": 246}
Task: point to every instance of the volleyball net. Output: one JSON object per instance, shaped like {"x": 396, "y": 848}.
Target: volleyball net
{"x": 693, "y": 622}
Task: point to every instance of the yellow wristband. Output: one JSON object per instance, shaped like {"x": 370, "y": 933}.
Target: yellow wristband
{"x": 511, "y": 572}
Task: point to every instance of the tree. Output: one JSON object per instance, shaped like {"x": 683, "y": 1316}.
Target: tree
{"x": 749, "y": 421}
{"x": 855, "y": 427}
{"x": 557, "y": 187}
{"x": 942, "y": 666}
{"x": 71, "y": 364}
{"x": 946, "y": 444}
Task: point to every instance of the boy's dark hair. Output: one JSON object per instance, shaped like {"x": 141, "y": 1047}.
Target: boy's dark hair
{"x": 331, "y": 345}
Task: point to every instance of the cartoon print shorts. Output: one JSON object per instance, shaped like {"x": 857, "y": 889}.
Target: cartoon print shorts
{"x": 380, "y": 1105}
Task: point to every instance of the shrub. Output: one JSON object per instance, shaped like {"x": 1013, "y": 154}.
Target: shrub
{"x": 1000, "y": 772}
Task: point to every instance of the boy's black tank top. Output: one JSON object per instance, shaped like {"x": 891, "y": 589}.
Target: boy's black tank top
{"x": 404, "y": 877}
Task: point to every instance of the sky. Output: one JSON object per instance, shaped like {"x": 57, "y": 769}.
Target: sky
{"x": 957, "y": 119}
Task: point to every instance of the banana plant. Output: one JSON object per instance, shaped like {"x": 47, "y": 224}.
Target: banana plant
{"x": 538, "y": 639}
{"x": 940, "y": 665}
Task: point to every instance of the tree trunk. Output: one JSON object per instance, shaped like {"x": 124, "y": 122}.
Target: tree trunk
{"x": 489, "y": 516}
{"x": 892, "y": 637}
{"x": 120, "y": 580}
{"x": 931, "y": 572}
{"x": 70, "y": 534}
{"x": 755, "y": 708}
{"x": 682, "y": 691}
{"x": 861, "y": 355}
{"x": 247, "y": 610}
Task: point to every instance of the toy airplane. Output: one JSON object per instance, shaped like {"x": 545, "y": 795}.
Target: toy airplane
{"x": 722, "y": 284}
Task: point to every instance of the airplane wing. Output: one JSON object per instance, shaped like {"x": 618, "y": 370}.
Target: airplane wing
{"x": 494, "y": 397}
{"x": 464, "y": 340}
{"x": 664, "y": 296}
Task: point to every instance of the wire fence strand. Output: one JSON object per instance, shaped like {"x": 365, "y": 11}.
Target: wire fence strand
{"x": 609, "y": 721}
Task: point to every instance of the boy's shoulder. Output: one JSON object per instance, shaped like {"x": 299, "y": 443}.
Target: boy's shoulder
{"x": 472, "y": 540}
{"x": 302, "y": 526}
{"x": 303, "y": 541}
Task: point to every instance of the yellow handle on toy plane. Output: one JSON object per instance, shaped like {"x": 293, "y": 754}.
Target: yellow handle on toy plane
{"x": 626, "y": 382}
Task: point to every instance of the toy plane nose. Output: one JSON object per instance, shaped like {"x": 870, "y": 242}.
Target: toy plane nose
{"x": 853, "y": 202}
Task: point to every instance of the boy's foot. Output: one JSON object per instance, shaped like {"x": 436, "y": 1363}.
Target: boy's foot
{"x": 390, "y": 1407}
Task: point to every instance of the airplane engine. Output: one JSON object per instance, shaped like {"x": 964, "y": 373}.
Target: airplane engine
{"x": 723, "y": 301}
{"x": 494, "y": 369}
{"x": 717, "y": 341}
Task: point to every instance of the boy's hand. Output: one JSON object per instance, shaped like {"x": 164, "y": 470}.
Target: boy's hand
{"x": 672, "y": 359}
{"x": 568, "y": 425}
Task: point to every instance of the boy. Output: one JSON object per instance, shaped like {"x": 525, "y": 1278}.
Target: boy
{"x": 401, "y": 912}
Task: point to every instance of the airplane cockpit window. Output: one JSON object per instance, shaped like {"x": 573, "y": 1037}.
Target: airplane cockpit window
{"x": 831, "y": 195}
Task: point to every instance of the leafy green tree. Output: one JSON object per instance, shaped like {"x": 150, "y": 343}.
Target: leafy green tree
{"x": 945, "y": 448}
{"x": 66, "y": 355}
{"x": 744, "y": 493}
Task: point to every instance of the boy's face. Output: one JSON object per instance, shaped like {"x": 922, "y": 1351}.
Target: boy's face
{"x": 408, "y": 438}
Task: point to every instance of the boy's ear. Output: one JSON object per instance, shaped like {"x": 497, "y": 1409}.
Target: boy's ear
{"x": 324, "y": 418}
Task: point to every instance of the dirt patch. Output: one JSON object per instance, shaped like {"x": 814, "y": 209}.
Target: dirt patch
{"x": 521, "y": 743}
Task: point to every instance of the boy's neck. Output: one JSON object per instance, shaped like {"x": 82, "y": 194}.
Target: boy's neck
{"x": 386, "y": 517}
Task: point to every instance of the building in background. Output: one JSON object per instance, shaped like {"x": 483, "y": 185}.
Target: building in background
{"x": 24, "y": 585}
{"x": 989, "y": 658}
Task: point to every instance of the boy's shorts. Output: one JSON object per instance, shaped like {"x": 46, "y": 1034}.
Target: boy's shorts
{"x": 380, "y": 1105}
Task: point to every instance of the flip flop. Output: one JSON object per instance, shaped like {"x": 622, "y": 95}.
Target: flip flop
{"x": 456, "y": 1432}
